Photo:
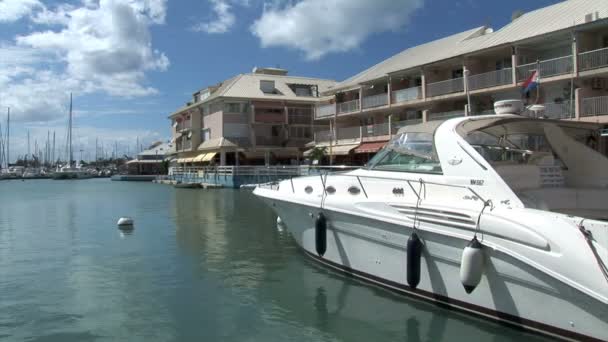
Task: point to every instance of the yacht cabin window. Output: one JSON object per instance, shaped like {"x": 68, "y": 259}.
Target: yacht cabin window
{"x": 408, "y": 152}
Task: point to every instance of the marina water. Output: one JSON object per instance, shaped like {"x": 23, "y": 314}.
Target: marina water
{"x": 200, "y": 265}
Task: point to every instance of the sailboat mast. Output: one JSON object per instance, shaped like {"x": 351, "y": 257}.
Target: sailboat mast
{"x": 53, "y": 159}
{"x": 8, "y": 135}
{"x": 70, "y": 134}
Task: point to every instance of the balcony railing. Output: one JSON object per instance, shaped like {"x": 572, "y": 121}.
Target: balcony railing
{"x": 375, "y": 100}
{"x": 268, "y": 141}
{"x": 594, "y": 106}
{"x": 348, "y": 107}
{"x": 395, "y": 126}
{"x": 345, "y": 133}
{"x": 548, "y": 68}
{"x": 323, "y": 136}
{"x": 593, "y": 59}
{"x": 454, "y": 85}
{"x": 553, "y": 111}
{"x": 490, "y": 79}
{"x": 326, "y": 110}
{"x": 445, "y": 115}
{"x": 407, "y": 94}
{"x": 376, "y": 130}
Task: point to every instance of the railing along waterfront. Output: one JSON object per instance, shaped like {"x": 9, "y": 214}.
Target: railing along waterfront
{"x": 593, "y": 59}
{"x": 454, "y": 85}
{"x": 445, "y": 115}
{"x": 348, "y": 107}
{"x": 377, "y": 100}
{"x": 326, "y": 110}
{"x": 594, "y": 106}
{"x": 408, "y": 94}
{"x": 548, "y": 68}
{"x": 490, "y": 79}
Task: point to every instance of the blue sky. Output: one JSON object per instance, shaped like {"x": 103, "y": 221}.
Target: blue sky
{"x": 130, "y": 63}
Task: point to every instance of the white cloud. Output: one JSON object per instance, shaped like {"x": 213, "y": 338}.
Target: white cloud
{"x": 102, "y": 46}
{"x": 13, "y": 10}
{"x": 224, "y": 20}
{"x": 320, "y": 27}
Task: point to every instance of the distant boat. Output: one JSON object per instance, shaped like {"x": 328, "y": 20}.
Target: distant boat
{"x": 68, "y": 171}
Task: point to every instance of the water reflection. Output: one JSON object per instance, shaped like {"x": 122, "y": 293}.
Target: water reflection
{"x": 235, "y": 238}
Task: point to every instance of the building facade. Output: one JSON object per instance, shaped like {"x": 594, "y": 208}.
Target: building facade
{"x": 260, "y": 118}
{"x": 566, "y": 42}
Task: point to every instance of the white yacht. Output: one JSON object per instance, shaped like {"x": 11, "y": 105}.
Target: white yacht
{"x": 501, "y": 215}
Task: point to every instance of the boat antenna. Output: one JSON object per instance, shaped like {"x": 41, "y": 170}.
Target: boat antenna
{"x": 70, "y": 134}
{"x": 8, "y": 136}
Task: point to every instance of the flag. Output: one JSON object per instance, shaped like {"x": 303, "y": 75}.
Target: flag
{"x": 532, "y": 82}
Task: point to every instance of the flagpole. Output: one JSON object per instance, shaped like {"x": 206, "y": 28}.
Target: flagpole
{"x": 538, "y": 83}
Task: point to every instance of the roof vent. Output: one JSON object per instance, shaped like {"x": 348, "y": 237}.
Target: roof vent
{"x": 508, "y": 107}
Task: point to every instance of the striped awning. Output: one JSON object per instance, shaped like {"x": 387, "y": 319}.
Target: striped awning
{"x": 199, "y": 158}
{"x": 209, "y": 156}
{"x": 370, "y": 147}
{"x": 341, "y": 150}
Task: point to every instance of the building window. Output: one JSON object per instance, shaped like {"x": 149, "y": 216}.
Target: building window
{"x": 232, "y": 107}
{"x": 457, "y": 73}
{"x": 205, "y": 134}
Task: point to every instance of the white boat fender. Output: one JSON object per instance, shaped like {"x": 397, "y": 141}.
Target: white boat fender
{"x": 321, "y": 234}
{"x": 414, "y": 252}
{"x": 279, "y": 221}
{"x": 125, "y": 223}
{"x": 471, "y": 265}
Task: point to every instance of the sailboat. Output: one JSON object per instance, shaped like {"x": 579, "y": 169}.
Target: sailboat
{"x": 69, "y": 171}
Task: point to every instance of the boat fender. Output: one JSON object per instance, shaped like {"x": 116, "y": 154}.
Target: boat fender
{"x": 471, "y": 265}
{"x": 321, "y": 234}
{"x": 414, "y": 251}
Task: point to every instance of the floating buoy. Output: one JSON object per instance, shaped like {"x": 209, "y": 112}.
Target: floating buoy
{"x": 471, "y": 265}
{"x": 321, "y": 234}
{"x": 125, "y": 223}
{"x": 414, "y": 251}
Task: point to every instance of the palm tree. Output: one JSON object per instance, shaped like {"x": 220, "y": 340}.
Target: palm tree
{"x": 318, "y": 153}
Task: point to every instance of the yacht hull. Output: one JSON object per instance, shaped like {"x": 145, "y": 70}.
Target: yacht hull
{"x": 510, "y": 290}
{"x": 70, "y": 175}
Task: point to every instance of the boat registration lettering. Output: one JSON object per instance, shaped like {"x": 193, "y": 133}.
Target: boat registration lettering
{"x": 477, "y": 182}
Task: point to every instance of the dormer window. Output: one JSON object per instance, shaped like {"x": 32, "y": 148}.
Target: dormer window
{"x": 268, "y": 88}
{"x": 304, "y": 89}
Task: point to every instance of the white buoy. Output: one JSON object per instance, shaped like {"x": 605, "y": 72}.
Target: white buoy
{"x": 471, "y": 265}
{"x": 125, "y": 223}
{"x": 279, "y": 221}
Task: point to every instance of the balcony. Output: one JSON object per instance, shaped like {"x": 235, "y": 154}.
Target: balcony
{"x": 548, "y": 68}
{"x": 593, "y": 59}
{"x": 323, "y": 136}
{"x": 445, "y": 115}
{"x": 594, "y": 106}
{"x": 349, "y": 133}
{"x": 408, "y": 94}
{"x": 455, "y": 85}
{"x": 553, "y": 111}
{"x": 490, "y": 79}
{"x": 399, "y": 124}
{"x": 268, "y": 141}
{"x": 372, "y": 101}
{"x": 376, "y": 130}
{"x": 325, "y": 111}
{"x": 348, "y": 107}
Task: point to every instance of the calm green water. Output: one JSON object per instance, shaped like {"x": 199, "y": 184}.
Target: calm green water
{"x": 199, "y": 266}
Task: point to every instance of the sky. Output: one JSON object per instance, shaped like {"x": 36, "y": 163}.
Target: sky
{"x": 130, "y": 63}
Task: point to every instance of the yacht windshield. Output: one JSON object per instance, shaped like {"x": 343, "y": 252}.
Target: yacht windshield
{"x": 408, "y": 152}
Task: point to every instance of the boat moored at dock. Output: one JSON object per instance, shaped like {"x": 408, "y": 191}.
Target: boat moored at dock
{"x": 499, "y": 215}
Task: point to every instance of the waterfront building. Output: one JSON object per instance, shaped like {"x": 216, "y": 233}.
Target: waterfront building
{"x": 151, "y": 161}
{"x": 259, "y": 118}
{"x": 567, "y": 41}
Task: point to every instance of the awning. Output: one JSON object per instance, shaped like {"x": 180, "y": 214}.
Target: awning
{"x": 341, "y": 150}
{"x": 209, "y": 156}
{"x": 199, "y": 158}
{"x": 370, "y": 147}
{"x": 185, "y": 160}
